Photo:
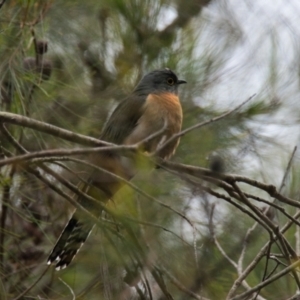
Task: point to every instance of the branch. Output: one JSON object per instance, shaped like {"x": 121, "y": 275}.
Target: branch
{"x": 257, "y": 259}
{"x": 2, "y": 3}
{"x": 288, "y": 169}
{"x": 208, "y": 175}
{"x": 229, "y": 178}
{"x": 268, "y": 281}
{"x": 32, "y": 285}
{"x": 15, "y": 119}
{"x": 181, "y": 287}
{"x": 245, "y": 243}
{"x": 134, "y": 187}
{"x": 196, "y": 126}
{"x": 61, "y": 152}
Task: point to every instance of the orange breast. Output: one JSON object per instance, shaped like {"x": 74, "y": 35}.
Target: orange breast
{"x": 165, "y": 106}
{"x": 159, "y": 111}
{"x": 164, "y": 102}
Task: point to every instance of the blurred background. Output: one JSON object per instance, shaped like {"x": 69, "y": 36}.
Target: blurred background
{"x": 69, "y": 63}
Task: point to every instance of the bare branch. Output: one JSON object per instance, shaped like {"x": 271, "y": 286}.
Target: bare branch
{"x": 257, "y": 259}
{"x": 32, "y": 285}
{"x": 229, "y": 178}
{"x": 133, "y": 186}
{"x": 2, "y": 3}
{"x": 15, "y": 119}
{"x": 268, "y": 281}
{"x": 196, "y": 126}
{"x": 61, "y": 152}
{"x": 181, "y": 287}
{"x": 287, "y": 170}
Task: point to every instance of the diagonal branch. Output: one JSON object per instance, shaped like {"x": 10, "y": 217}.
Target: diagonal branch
{"x": 268, "y": 281}
{"x": 15, "y": 119}
{"x": 202, "y": 124}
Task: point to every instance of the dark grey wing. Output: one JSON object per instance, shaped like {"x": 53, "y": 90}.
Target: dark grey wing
{"x": 123, "y": 119}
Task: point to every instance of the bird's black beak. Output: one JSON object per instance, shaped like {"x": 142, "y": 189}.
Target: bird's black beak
{"x": 181, "y": 81}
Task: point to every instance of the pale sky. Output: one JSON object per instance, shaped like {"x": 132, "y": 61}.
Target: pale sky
{"x": 268, "y": 34}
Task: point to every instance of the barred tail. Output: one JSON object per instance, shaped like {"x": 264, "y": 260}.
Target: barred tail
{"x": 69, "y": 243}
{"x": 100, "y": 186}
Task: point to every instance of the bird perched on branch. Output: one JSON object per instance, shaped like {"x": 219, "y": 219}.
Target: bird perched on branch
{"x": 153, "y": 107}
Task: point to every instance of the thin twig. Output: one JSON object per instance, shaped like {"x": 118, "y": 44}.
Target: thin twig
{"x": 212, "y": 232}
{"x": 180, "y": 286}
{"x": 263, "y": 220}
{"x": 133, "y": 186}
{"x": 62, "y": 152}
{"x": 77, "y": 191}
{"x": 297, "y": 238}
{"x": 68, "y": 135}
{"x": 2, "y": 2}
{"x": 69, "y": 288}
{"x": 4, "y": 205}
{"x": 266, "y": 265}
{"x": 15, "y": 119}
{"x": 268, "y": 281}
{"x": 160, "y": 281}
{"x": 31, "y": 286}
{"x": 201, "y": 172}
{"x": 229, "y": 178}
{"x": 287, "y": 170}
{"x": 257, "y": 259}
{"x": 245, "y": 243}
{"x": 272, "y": 204}
{"x": 213, "y": 120}
{"x": 41, "y": 15}
{"x": 286, "y": 248}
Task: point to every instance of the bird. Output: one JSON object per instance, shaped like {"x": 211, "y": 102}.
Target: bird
{"x": 153, "y": 107}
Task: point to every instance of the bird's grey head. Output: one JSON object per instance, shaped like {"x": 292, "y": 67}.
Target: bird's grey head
{"x": 163, "y": 80}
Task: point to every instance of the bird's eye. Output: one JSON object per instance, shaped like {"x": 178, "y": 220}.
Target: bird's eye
{"x": 170, "y": 81}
